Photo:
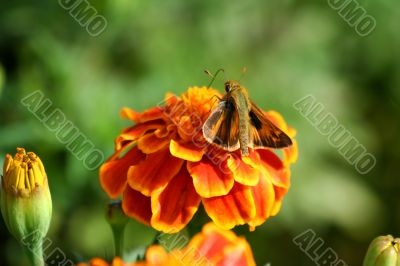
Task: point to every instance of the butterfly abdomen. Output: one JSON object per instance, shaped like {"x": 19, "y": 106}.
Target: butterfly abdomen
{"x": 244, "y": 129}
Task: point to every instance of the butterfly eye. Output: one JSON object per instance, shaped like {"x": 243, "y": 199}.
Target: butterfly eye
{"x": 227, "y": 87}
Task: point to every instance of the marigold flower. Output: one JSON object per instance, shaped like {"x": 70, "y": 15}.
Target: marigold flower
{"x": 164, "y": 168}
{"x": 212, "y": 246}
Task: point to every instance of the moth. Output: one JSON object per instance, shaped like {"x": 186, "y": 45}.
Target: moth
{"x": 237, "y": 123}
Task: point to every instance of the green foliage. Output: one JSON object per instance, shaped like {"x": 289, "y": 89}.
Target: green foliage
{"x": 291, "y": 49}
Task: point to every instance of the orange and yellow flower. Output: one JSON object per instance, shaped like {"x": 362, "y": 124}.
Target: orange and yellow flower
{"x": 164, "y": 168}
{"x": 212, "y": 246}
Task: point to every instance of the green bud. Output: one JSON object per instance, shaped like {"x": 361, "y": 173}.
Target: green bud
{"x": 118, "y": 221}
{"x": 115, "y": 215}
{"x": 25, "y": 200}
{"x": 383, "y": 251}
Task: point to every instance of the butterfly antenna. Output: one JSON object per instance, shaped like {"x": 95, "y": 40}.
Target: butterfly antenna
{"x": 213, "y": 76}
{"x": 213, "y": 99}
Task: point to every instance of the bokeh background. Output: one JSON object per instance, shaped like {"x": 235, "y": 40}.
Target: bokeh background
{"x": 291, "y": 48}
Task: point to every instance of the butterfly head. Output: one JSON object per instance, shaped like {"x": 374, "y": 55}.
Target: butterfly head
{"x": 232, "y": 85}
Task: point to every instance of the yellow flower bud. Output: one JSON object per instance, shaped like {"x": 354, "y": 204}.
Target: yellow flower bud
{"x": 25, "y": 196}
{"x": 383, "y": 251}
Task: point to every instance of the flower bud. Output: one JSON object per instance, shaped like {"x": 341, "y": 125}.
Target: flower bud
{"x": 115, "y": 215}
{"x": 383, "y": 251}
{"x": 118, "y": 221}
{"x": 25, "y": 196}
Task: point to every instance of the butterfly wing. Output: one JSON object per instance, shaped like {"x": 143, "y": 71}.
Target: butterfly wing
{"x": 263, "y": 133}
{"x": 222, "y": 126}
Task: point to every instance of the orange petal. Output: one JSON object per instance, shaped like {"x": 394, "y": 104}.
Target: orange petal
{"x": 136, "y": 205}
{"x": 123, "y": 140}
{"x": 154, "y": 172}
{"x": 98, "y": 262}
{"x": 133, "y": 133}
{"x": 170, "y": 98}
{"x": 150, "y": 143}
{"x": 148, "y": 115}
{"x": 263, "y": 196}
{"x": 164, "y": 131}
{"x": 186, "y": 151}
{"x": 245, "y": 169}
{"x": 117, "y": 262}
{"x": 290, "y": 154}
{"x": 239, "y": 254}
{"x": 277, "y": 119}
{"x": 205, "y": 246}
{"x": 189, "y": 127}
{"x": 211, "y": 179}
{"x": 156, "y": 256}
{"x": 276, "y": 208}
{"x": 214, "y": 246}
{"x": 151, "y": 114}
{"x": 174, "y": 206}
{"x": 280, "y": 193}
{"x": 141, "y": 128}
{"x": 272, "y": 164}
{"x": 138, "y": 130}
{"x": 128, "y": 113}
{"x": 212, "y": 240}
{"x": 113, "y": 174}
{"x": 236, "y": 208}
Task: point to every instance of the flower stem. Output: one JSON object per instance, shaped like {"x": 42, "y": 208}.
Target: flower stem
{"x": 117, "y": 220}
{"x": 35, "y": 254}
{"x": 118, "y": 233}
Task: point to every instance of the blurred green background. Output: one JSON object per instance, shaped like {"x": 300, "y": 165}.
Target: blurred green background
{"x": 291, "y": 48}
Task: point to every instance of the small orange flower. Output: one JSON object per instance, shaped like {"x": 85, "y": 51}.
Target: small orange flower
{"x": 164, "y": 168}
{"x": 212, "y": 246}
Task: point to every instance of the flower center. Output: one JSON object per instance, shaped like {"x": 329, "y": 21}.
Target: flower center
{"x": 23, "y": 173}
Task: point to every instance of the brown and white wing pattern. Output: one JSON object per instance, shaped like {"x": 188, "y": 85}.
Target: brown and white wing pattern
{"x": 222, "y": 126}
{"x": 263, "y": 133}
